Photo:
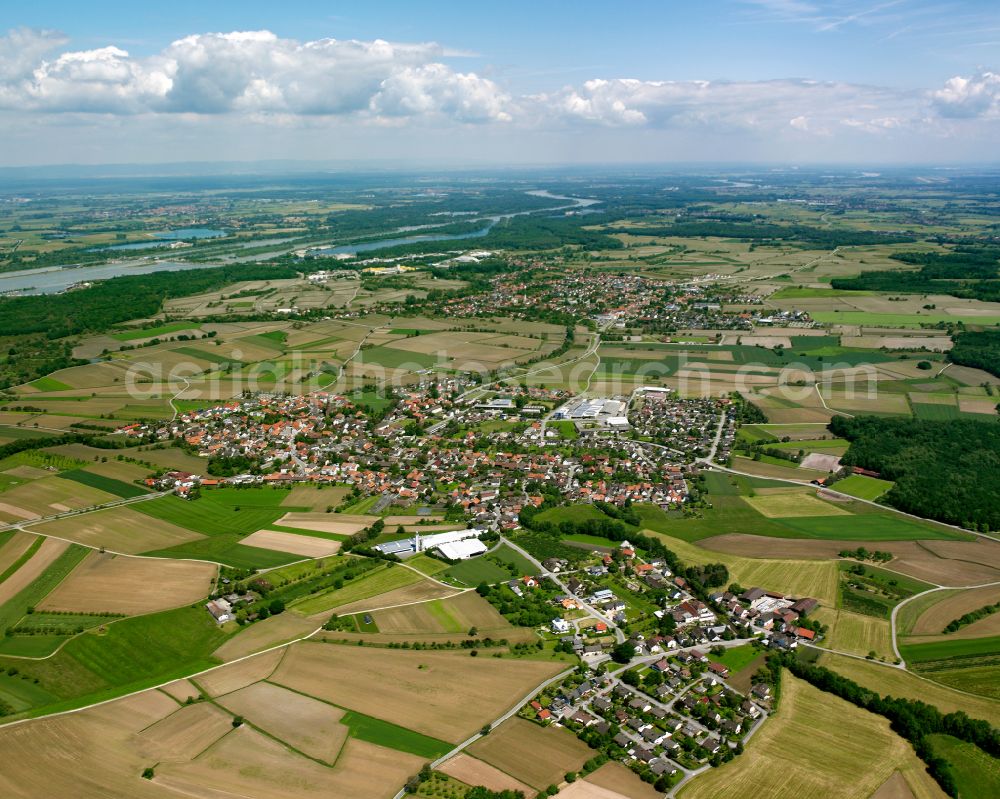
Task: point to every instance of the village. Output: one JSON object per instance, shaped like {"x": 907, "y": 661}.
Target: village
{"x": 436, "y": 445}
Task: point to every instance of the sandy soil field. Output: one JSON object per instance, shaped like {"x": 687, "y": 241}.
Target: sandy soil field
{"x": 120, "y": 530}
{"x": 615, "y": 777}
{"x": 307, "y": 724}
{"x": 184, "y": 734}
{"x": 442, "y": 694}
{"x": 304, "y": 545}
{"x": 326, "y": 522}
{"x": 265, "y": 634}
{"x": 35, "y": 565}
{"x": 477, "y": 772}
{"x": 181, "y": 690}
{"x": 538, "y": 756}
{"x": 239, "y": 675}
{"x": 120, "y": 584}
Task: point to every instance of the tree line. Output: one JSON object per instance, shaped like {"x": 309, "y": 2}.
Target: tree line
{"x": 909, "y": 718}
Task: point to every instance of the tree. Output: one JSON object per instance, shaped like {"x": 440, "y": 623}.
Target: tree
{"x": 277, "y": 606}
{"x": 623, "y": 653}
{"x": 485, "y": 729}
{"x": 237, "y": 721}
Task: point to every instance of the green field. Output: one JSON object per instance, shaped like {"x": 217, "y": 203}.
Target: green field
{"x": 393, "y": 359}
{"x": 871, "y": 319}
{"x": 567, "y": 430}
{"x": 862, "y": 487}
{"x": 153, "y": 332}
{"x": 225, "y": 548}
{"x": 959, "y": 648}
{"x": 372, "y": 584}
{"x": 220, "y": 511}
{"x": 976, "y": 773}
{"x": 507, "y": 555}
{"x": 735, "y": 658}
{"x": 31, "y": 646}
{"x": 384, "y": 733}
{"x": 866, "y": 527}
{"x": 107, "y": 484}
{"x": 935, "y": 412}
{"x": 477, "y": 570}
{"x": 132, "y": 654}
{"x": 49, "y": 384}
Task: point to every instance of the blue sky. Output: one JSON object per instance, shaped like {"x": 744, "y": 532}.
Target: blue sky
{"x": 517, "y": 82}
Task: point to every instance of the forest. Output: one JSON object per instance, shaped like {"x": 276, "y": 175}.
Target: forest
{"x": 980, "y": 350}
{"x": 948, "y": 471}
{"x": 800, "y": 235}
{"x": 970, "y": 272}
{"x": 99, "y": 307}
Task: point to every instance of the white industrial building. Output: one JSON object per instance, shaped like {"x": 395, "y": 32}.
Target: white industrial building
{"x": 454, "y": 545}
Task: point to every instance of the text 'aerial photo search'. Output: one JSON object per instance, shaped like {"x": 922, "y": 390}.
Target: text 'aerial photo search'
{"x": 455, "y": 400}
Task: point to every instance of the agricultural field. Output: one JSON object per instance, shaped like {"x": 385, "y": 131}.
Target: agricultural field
{"x": 537, "y": 756}
{"x": 887, "y": 680}
{"x": 816, "y": 746}
{"x": 131, "y": 586}
{"x": 445, "y": 695}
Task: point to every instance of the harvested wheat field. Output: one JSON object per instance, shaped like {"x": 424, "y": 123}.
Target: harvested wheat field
{"x": 952, "y": 606}
{"x": 472, "y": 771}
{"x": 582, "y": 789}
{"x": 817, "y": 747}
{"x": 15, "y": 547}
{"x": 44, "y": 556}
{"x": 120, "y": 584}
{"x": 306, "y": 724}
{"x": 314, "y": 497}
{"x": 264, "y": 634}
{"x": 339, "y": 523}
{"x": 246, "y": 763}
{"x": 184, "y": 734}
{"x": 456, "y": 614}
{"x": 87, "y": 755}
{"x": 857, "y": 633}
{"x": 304, "y": 545}
{"x": 446, "y": 695}
{"x": 119, "y": 529}
{"x": 615, "y": 777}
{"x": 895, "y": 787}
{"x": 181, "y": 690}
{"x": 538, "y": 756}
{"x": 226, "y": 679}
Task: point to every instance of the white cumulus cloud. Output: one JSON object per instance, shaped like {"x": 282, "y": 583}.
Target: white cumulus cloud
{"x": 975, "y": 96}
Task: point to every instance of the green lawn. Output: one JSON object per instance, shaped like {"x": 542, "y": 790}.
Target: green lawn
{"x": 426, "y": 565}
{"x": 862, "y": 487}
{"x": 976, "y": 773}
{"x": 477, "y": 570}
{"x": 385, "y": 733}
{"x": 109, "y": 485}
{"x": 735, "y": 658}
{"x": 508, "y": 555}
{"x": 567, "y": 430}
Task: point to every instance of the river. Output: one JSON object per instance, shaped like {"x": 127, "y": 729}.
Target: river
{"x": 53, "y": 279}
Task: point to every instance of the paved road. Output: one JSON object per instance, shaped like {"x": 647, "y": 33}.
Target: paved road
{"x": 619, "y": 635}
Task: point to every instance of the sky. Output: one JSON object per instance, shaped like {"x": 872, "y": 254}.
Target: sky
{"x": 514, "y": 83}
